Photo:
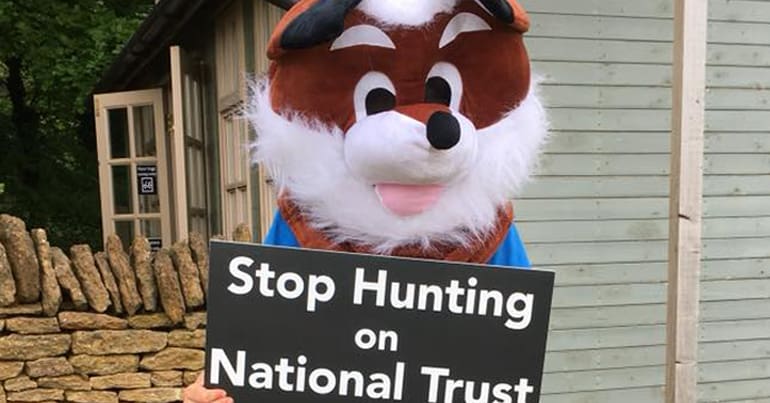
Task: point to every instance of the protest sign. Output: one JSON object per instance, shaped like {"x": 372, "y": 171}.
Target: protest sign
{"x": 297, "y": 325}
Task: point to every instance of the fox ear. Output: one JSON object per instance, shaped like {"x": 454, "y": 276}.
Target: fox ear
{"x": 309, "y": 23}
{"x": 508, "y": 11}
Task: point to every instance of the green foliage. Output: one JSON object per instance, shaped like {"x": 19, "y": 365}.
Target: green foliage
{"x": 52, "y": 53}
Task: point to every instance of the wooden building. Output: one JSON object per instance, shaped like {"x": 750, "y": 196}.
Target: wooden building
{"x": 173, "y": 151}
{"x": 598, "y": 212}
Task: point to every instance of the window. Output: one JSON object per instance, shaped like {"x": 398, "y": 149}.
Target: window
{"x": 133, "y": 182}
{"x": 189, "y": 147}
{"x": 233, "y": 131}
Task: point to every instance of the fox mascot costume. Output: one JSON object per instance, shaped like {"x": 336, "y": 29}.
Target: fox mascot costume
{"x": 399, "y": 127}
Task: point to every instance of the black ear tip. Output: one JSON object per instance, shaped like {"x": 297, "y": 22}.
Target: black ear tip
{"x": 501, "y": 9}
{"x": 302, "y": 33}
{"x": 322, "y": 22}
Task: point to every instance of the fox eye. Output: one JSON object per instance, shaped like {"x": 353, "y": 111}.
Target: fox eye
{"x": 379, "y": 100}
{"x": 374, "y": 94}
{"x": 444, "y": 85}
{"x": 438, "y": 91}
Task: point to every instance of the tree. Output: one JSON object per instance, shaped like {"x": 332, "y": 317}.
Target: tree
{"x": 52, "y": 53}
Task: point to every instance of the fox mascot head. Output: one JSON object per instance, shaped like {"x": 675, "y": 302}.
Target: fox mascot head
{"x": 400, "y": 127}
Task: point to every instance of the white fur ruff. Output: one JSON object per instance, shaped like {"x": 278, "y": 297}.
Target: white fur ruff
{"x": 413, "y": 13}
{"x": 307, "y": 159}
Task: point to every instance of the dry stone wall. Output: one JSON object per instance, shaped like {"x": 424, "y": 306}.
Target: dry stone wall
{"x": 99, "y": 327}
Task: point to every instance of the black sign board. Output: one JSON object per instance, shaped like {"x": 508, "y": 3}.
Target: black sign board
{"x": 147, "y": 179}
{"x": 291, "y": 325}
{"x": 155, "y": 244}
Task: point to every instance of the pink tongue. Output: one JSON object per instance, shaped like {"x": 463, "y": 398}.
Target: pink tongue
{"x": 406, "y": 200}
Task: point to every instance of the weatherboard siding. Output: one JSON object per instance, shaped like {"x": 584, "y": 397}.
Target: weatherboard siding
{"x": 735, "y": 297}
{"x": 597, "y": 212}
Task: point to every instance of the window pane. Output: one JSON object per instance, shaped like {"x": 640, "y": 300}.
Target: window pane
{"x": 198, "y": 224}
{"x": 197, "y": 111}
{"x": 200, "y": 173}
{"x": 150, "y": 228}
{"x": 235, "y": 46}
{"x": 237, "y": 150}
{"x": 121, "y": 189}
{"x": 125, "y": 230}
{"x": 149, "y": 204}
{"x": 192, "y": 178}
{"x": 188, "y": 112}
{"x": 118, "y": 122}
{"x": 144, "y": 130}
{"x": 228, "y": 149}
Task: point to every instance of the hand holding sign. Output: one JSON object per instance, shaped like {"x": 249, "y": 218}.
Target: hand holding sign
{"x": 291, "y": 325}
{"x": 197, "y": 393}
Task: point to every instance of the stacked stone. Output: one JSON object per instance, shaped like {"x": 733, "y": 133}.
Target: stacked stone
{"x": 94, "y": 358}
{"x": 99, "y": 327}
{"x": 172, "y": 281}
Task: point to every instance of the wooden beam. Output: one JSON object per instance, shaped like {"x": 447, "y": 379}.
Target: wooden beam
{"x": 178, "y": 163}
{"x": 686, "y": 199}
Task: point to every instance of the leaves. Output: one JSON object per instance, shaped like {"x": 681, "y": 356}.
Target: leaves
{"x": 47, "y": 145}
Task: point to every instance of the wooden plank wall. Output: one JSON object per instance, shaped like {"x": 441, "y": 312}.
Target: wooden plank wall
{"x": 735, "y": 300}
{"x": 597, "y": 211}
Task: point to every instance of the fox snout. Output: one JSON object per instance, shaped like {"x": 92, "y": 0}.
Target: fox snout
{"x": 415, "y": 144}
{"x": 442, "y": 129}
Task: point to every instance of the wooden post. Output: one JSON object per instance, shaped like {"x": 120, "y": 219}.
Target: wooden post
{"x": 686, "y": 199}
{"x": 178, "y": 163}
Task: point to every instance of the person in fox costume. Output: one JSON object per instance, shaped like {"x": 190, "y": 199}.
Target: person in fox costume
{"x": 398, "y": 127}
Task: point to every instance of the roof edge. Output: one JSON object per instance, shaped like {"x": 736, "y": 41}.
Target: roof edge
{"x": 165, "y": 20}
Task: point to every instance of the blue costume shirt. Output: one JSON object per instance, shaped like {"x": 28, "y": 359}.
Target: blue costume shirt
{"x": 510, "y": 253}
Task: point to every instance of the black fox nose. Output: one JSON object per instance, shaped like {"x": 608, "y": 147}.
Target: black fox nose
{"x": 443, "y": 131}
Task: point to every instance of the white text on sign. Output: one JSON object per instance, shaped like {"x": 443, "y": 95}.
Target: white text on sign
{"x": 455, "y": 298}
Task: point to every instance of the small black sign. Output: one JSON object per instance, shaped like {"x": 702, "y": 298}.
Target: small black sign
{"x": 155, "y": 244}
{"x": 147, "y": 179}
{"x": 295, "y": 325}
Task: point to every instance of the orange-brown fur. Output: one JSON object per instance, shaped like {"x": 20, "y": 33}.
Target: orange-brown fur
{"x": 328, "y": 199}
{"x": 322, "y": 89}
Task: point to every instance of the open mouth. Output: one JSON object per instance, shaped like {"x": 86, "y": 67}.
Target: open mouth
{"x": 407, "y": 200}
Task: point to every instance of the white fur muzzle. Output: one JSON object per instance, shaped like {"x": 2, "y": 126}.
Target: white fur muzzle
{"x": 308, "y": 160}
